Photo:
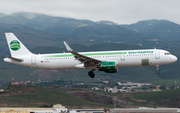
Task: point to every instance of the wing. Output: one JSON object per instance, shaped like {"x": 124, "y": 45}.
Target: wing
{"x": 88, "y": 61}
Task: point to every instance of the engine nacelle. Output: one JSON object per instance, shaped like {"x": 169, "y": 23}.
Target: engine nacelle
{"x": 109, "y": 67}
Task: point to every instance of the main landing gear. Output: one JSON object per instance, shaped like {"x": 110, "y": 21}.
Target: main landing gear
{"x": 91, "y": 74}
{"x": 157, "y": 67}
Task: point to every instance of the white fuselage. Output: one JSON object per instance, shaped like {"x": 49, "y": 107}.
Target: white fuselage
{"x": 125, "y": 58}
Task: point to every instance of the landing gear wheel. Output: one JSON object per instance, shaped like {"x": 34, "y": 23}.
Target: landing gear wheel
{"x": 157, "y": 71}
{"x": 91, "y": 74}
{"x": 157, "y": 67}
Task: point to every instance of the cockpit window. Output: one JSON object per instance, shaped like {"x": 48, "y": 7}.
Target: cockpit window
{"x": 167, "y": 53}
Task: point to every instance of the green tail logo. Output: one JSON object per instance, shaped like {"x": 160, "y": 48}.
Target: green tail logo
{"x": 15, "y": 45}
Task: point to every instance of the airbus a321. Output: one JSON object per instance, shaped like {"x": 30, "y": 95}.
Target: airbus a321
{"x": 107, "y": 61}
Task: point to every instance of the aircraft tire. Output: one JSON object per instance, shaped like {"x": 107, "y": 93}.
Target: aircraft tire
{"x": 91, "y": 74}
{"x": 157, "y": 71}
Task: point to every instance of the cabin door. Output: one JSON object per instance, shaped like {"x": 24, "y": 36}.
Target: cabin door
{"x": 122, "y": 57}
{"x": 33, "y": 60}
{"x": 157, "y": 54}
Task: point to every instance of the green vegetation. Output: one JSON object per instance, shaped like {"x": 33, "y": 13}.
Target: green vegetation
{"x": 166, "y": 82}
{"x": 39, "y": 96}
{"x": 166, "y": 98}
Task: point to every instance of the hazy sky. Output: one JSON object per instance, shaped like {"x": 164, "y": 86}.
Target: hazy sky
{"x": 118, "y": 11}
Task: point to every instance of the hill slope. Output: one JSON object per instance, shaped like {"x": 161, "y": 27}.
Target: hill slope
{"x": 57, "y": 29}
{"x": 36, "y": 96}
{"x": 168, "y": 98}
{"x": 158, "y": 29}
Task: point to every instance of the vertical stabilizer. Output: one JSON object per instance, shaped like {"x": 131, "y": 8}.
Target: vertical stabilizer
{"x": 15, "y": 46}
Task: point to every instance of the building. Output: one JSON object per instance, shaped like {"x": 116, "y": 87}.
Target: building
{"x": 12, "y": 111}
{"x": 58, "y": 108}
{"x": 134, "y": 84}
{"x": 145, "y": 110}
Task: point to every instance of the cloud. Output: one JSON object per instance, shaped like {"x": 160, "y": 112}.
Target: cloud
{"x": 119, "y": 11}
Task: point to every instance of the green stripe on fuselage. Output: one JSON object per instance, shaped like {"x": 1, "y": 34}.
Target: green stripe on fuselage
{"x": 87, "y": 54}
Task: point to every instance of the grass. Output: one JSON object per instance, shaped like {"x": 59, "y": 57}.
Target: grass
{"x": 166, "y": 82}
{"x": 45, "y": 96}
{"x": 161, "y": 98}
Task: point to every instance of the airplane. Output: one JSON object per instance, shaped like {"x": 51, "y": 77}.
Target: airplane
{"x": 107, "y": 61}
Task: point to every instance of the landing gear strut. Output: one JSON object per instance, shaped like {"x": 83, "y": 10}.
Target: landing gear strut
{"x": 91, "y": 74}
{"x": 157, "y": 67}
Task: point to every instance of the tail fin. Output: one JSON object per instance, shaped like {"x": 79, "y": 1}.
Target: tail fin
{"x": 15, "y": 46}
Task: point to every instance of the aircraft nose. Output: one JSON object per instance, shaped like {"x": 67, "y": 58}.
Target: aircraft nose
{"x": 174, "y": 58}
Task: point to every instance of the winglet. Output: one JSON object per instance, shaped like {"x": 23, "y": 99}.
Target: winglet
{"x": 67, "y": 47}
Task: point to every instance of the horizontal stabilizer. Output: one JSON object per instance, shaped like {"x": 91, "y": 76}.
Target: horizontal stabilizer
{"x": 15, "y": 59}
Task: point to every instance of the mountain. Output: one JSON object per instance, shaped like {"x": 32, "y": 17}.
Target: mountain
{"x": 106, "y": 22}
{"x": 50, "y": 30}
{"x": 45, "y": 34}
{"x": 1, "y": 15}
{"x": 150, "y": 33}
{"x": 57, "y": 25}
{"x": 156, "y": 29}
{"x": 108, "y": 33}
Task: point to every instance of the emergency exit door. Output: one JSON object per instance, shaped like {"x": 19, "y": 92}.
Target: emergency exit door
{"x": 122, "y": 57}
{"x": 157, "y": 54}
{"x": 33, "y": 60}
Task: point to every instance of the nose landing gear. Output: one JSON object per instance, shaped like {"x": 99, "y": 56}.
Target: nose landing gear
{"x": 91, "y": 74}
{"x": 157, "y": 67}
